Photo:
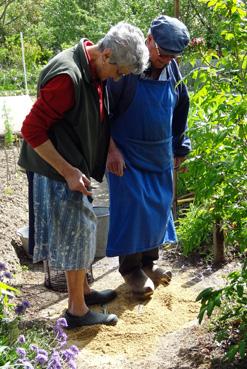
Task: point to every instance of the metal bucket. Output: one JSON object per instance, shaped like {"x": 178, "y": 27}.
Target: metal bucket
{"x": 102, "y": 213}
{"x": 23, "y": 232}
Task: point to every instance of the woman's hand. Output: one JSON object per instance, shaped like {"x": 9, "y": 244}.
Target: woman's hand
{"x": 77, "y": 181}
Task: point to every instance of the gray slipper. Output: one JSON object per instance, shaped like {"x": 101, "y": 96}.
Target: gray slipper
{"x": 99, "y": 297}
{"x": 90, "y": 318}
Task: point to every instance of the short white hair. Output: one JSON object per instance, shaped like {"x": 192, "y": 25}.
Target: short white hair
{"x": 127, "y": 44}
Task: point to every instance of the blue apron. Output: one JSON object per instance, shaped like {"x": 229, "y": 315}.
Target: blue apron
{"x": 140, "y": 200}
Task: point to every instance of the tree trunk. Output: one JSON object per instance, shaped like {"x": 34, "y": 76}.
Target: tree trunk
{"x": 218, "y": 243}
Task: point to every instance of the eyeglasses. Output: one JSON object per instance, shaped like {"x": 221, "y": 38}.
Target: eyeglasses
{"x": 162, "y": 54}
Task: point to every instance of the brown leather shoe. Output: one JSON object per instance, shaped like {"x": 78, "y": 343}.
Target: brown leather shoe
{"x": 158, "y": 275}
{"x": 139, "y": 283}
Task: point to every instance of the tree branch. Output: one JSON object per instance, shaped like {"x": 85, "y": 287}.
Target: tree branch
{"x": 5, "y": 4}
{"x": 200, "y": 16}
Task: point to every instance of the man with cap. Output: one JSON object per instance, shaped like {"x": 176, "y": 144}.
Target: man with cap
{"x": 148, "y": 125}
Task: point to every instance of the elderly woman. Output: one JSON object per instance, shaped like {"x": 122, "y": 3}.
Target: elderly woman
{"x": 66, "y": 138}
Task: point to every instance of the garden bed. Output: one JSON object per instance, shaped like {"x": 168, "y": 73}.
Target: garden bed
{"x": 162, "y": 333}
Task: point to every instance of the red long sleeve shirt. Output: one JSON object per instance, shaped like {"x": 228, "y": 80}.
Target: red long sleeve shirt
{"x": 55, "y": 98}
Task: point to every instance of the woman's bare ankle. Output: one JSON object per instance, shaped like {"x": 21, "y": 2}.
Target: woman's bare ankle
{"x": 78, "y": 311}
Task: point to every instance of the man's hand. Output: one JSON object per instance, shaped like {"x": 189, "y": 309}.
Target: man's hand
{"x": 177, "y": 162}
{"x": 115, "y": 161}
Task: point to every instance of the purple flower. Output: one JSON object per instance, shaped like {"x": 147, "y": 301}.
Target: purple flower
{"x": 26, "y": 364}
{"x": 75, "y": 349}
{"x": 61, "y": 322}
{"x": 55, "y": 354}
{"x": 26, "y": 304}
{"x": 21, "y": 339}
{"x": 54, "y": 362}
{"x": 42, "y": 352}
{"x": 54, "y": 365}
{"x": 62, "y": 338}
{"x": 2, "y": 266}
{"x": 33, "y": 347}
{"x": 72, "y": 364}
{"x": 20, "y": 308}
{"x": 21, "y": 352}
{"x": 41, "y": 358}
{"x": 67, "y": 355}
{"x": 7, "y": 275}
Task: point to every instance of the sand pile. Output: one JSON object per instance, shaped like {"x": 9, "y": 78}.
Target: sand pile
{"x": 141, "y": 323}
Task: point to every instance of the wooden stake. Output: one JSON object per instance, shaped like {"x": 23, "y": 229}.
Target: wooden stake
{"x": 177, "y": 9}
{"x": 218, "y": 243}
{"x": 175, "y": 199}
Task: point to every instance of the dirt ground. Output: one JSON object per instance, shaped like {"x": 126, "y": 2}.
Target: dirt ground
{"x": 161, "y": 333}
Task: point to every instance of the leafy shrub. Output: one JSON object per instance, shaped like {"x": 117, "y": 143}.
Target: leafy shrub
{"x": 196, "y": 227}
{"x": 229, "y": 304}
{"x": 218, "y": 130}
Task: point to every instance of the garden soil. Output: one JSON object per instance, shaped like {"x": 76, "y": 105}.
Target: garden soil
{"x": 161, "y": 333}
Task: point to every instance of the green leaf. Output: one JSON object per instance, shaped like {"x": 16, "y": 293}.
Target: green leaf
{"x": 242, "y": 349}
{"x": 4, "y": 287}
{"x": 3, "y": 348}
{"x": 210, "y": 307}
{"x": 204, "y": 294}
{"x": 7, "y": 293}
{"x": 240, "y": 290}
{"x": 217, "y": 300}
{"x": 212, "y": 3}
{"x": 229, "y": 36}
{"x": 6, "y": 365}
{"x": 232, "y": 352}
{"x": 201, "y": 314}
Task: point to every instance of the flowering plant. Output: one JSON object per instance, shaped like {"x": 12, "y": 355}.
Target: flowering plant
{"x": 56, "y": 354}
{"x": 40, "y": 350}
{"x": 23, "y": 350}
{"x": 9, "y": 311}
{"x": 6, "y": 291}
{"x": 7, "y": 294}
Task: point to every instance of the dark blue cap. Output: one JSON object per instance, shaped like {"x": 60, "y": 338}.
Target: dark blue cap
{"x": 171, "y": 35}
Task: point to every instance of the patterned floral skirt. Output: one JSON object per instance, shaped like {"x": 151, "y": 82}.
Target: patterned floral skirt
{"x": 65, "y": 225}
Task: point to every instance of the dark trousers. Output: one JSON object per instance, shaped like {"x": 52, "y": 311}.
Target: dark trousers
{"x": 132, "y": 262}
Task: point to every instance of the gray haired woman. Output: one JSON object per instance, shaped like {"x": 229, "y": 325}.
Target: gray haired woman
{"x": 66, "y": 136}
{"x": 126, "y": 50}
